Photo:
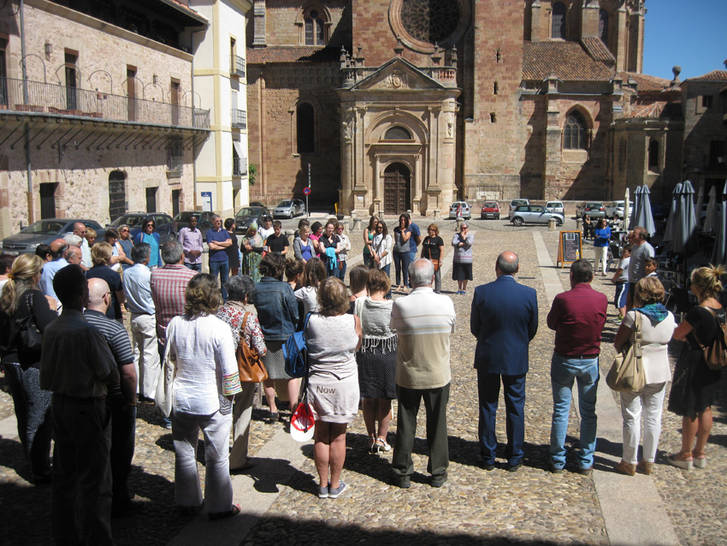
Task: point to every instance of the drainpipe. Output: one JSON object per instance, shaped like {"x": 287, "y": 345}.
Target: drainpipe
{"x": 28, "y": 170}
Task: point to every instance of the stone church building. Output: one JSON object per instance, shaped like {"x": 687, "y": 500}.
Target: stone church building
{"x": 388, "y": 105}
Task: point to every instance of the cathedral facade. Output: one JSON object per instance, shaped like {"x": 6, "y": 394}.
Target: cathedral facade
{"x": 389, "y": 105}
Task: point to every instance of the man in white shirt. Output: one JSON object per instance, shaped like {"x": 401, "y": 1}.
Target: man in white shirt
{"x": 424, "y": 322}
{"x": 79, "y": 229}
{"x": 137, "y": 289}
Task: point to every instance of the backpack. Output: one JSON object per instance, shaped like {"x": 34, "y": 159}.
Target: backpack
{"x": 295, "y": 352}
{"x": 715, "y": 355}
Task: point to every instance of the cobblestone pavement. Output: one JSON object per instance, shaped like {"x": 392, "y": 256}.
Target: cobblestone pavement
{"x": 474, "y": 506}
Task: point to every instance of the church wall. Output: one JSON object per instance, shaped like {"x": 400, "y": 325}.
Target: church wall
{"x": 494, "y": 138}
{"x": 284, "y": 20}
{"x": 282, "y": 171}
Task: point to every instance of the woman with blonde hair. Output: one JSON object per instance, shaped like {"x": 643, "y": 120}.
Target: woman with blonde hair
{"x": 656, "y": 327}
{"x": 333, "y": 337}
{"x": 20, "y": 299}
{"x": 695, "y": 385}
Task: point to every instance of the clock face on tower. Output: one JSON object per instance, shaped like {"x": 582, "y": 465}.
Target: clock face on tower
{"x": 422, "y": 24}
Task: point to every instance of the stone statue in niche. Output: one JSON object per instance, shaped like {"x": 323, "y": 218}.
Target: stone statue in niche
{"x": 348, "y": 128}
{"x": 450, "y": 128}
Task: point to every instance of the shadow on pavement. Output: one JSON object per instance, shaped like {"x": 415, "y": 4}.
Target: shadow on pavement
{"x": 279, "y": 530}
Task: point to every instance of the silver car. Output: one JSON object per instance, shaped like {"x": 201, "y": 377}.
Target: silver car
{"x": 615, "y": 209}
{"x": 44, "y": 232}
{"x": 534, "y": 214}
{"x": 462, "y": 208}
{"x": 289, "y": 208}
{"x": 555, "y": 206}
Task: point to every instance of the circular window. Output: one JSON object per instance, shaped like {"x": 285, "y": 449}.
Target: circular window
{"x": 422, "y": 24}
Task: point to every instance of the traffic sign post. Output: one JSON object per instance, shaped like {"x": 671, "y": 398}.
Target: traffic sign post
{"x": 306, "y": 192}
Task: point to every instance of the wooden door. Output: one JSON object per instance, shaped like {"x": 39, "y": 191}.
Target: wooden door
{"x": 396, "y": 189}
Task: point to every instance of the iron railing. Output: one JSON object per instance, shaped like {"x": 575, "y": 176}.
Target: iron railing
{"x": 238, "y": 66}
{"x": 239, "y": 118}
{"x": 72, "y": 101}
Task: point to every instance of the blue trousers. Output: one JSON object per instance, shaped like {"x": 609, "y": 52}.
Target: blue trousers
{"x": 401, "y": 265}
{"x": 223, "y": 270}
{"x": 488, "y": 389}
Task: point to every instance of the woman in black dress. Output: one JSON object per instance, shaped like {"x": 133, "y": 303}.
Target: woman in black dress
{"x": 233, "y": 254}
{"x": 433, "y": 250}
{"x": 695, "y": 385}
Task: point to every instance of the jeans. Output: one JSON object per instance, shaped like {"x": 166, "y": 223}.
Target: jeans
{"x": 651, "y": 399}
{"x": 563, "y": 370}
{"x": 193, "y": 267}
{"x": 401, "y": 265}
{"x": 223, "y": 270}
{"x": 340, "y": 272}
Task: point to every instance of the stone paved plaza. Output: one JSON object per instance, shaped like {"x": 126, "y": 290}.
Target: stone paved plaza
{"x": 474, "y": 506}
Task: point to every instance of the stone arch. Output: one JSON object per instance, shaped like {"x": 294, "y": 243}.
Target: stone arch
{"x": 583, "y": 117}
{"x": 294, "y": 124}
{"x": 408, "y": 121}
{"x": 324, "y": 15}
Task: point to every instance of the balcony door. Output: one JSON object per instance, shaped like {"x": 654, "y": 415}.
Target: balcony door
{"x": 131, "y": 92}
{"x": 71, "y": 85}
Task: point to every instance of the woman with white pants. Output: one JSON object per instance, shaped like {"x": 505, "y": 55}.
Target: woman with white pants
{"x": 656, "y": 325}
{"x": 601, "y": 238}
{"x": 201, "y": 352}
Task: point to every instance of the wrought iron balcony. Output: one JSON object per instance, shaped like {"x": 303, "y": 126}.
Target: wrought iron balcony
{"x": 74, "y": 102}
{"x": 238, "y": 66}
{"x": 239, "y": 118}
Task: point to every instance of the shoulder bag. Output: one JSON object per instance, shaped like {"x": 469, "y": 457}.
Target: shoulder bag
{"x": 715, "y": 354}
{"x": 627, "y": 370}
{"x": 435, "y": 262}
{"x": 249, "y": 363}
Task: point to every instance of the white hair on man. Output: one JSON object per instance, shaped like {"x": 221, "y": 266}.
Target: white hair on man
{"x": 72, "y": 239}
{"x": 421, "y": 272}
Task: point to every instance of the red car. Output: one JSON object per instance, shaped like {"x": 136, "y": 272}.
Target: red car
{"x": 490, "y": 209}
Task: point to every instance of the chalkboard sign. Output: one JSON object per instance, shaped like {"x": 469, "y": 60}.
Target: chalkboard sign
{"x": 570, "y": 247}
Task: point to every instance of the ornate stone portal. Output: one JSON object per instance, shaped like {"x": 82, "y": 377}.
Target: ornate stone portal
{"x": 397, "y": 138}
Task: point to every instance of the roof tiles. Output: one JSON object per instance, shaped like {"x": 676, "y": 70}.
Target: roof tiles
{"x": 567, "y": 61}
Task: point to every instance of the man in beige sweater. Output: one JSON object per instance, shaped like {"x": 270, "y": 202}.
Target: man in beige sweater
{"x": 424, "y": 322}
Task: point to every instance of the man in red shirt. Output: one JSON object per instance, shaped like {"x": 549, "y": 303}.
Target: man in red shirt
{"x": 577, "y": 316}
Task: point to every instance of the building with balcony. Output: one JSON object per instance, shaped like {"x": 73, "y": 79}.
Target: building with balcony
{"x": 98, "y": 112}
{"x": 220, "y": 82}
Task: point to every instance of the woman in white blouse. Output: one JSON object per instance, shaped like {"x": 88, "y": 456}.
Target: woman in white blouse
{"x": 381, "y": 247}
{"x": 657, "y": 327}
{"x": 205, "y": 382}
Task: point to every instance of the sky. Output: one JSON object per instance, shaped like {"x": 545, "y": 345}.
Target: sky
{"x": 688, "y": 33}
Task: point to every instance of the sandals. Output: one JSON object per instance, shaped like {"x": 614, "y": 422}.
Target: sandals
{"x": 676, "y": 459}
{"x": 213, "y": 516}
{"x": 382, "y": 445}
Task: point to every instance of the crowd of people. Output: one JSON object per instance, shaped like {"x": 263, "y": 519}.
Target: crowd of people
{"x": 77, "y": 374}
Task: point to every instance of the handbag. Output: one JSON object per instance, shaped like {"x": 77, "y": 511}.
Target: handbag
{"x": 715, "y": 354}
{"x": 627, "y": 370}
{"x": 295, "y": 352}
{"x": 249, "y": 363}
{"x": 435, "y": 263}
{"x": 29, "y": 339}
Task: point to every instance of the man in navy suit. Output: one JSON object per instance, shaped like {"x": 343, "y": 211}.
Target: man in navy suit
{"x": 504, "y": 319}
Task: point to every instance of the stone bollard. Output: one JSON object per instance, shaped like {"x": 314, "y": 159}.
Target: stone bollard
{"x": 551, "y": 224}
{"x": 579, "y": 224}
{"x": 356, "y": 225}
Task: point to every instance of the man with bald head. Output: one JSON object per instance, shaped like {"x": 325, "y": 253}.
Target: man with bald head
{"x": 504, "y": 319}
{"x": 79, "y": 229}
{"x": 57, "y": 249}
{"x": 73, "y": 255}
{"x": 121, "y": 399}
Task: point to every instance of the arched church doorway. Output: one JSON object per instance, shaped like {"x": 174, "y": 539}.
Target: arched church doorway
{"x": 397, "y": 196}
{"x": 117, "y": 194}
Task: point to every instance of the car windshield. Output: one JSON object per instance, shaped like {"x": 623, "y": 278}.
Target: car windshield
{"x": 44, "y": 226}
{"x": 554, "y": 204}
{"x": 130, "y": 220}
{"x": 491, "y": 205}
{"x": 247, "y": 211}
{"x": 283, "y": 204}
{"x": 594, "y": 205}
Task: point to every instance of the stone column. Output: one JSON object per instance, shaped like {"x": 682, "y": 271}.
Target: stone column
{"x": 537, "y": 27}
{"x": 553, "y": 140}
{"x": 622, "y": 39}
{"x": 590, "y": 15}
{"x": 345, "y": 197}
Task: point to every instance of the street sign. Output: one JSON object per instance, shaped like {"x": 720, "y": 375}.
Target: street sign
{"x": 306, "y": 191}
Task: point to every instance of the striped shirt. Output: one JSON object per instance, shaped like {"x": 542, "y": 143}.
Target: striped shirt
{"x": 168, "y": 288}
{"x": 423, "y": 321}
{"x": 116, "y": 338}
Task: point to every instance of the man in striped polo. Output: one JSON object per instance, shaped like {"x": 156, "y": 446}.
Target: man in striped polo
{"x": 121, "y": 399}
{"x": 424, "y": 322}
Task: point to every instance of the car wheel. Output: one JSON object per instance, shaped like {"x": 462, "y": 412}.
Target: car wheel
{"x": 558, "y": 222}
{"x": 517, "y": 221}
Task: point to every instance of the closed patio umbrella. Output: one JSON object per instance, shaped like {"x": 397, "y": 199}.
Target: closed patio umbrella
{"x": 687, "y": 222}
{"x": 719, "y": 255}
{"x": 698, "y": 206}
{"x": 627, "y": 210}
{"x": 642, "y": 213}
{"x": 673, "y": 212}
{"x": 711, "y": 220}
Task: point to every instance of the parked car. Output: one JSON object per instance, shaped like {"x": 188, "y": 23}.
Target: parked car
{"x": 514, "y": 204}
{"x": 615, "y": 209}
{"x": 247, "y": 215}
{"x": 594, "y": 209}
{"x": 163, "y": 224}
{"x": 204, "y": 221}
{"x": 535, "y": 214}
{"x": 555, "y": 206}
{"x": 289, "y": 208}
{"x": 44, "y": 232}
{"x": 462, "y": 207}
{"x": 490, "y": 209}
